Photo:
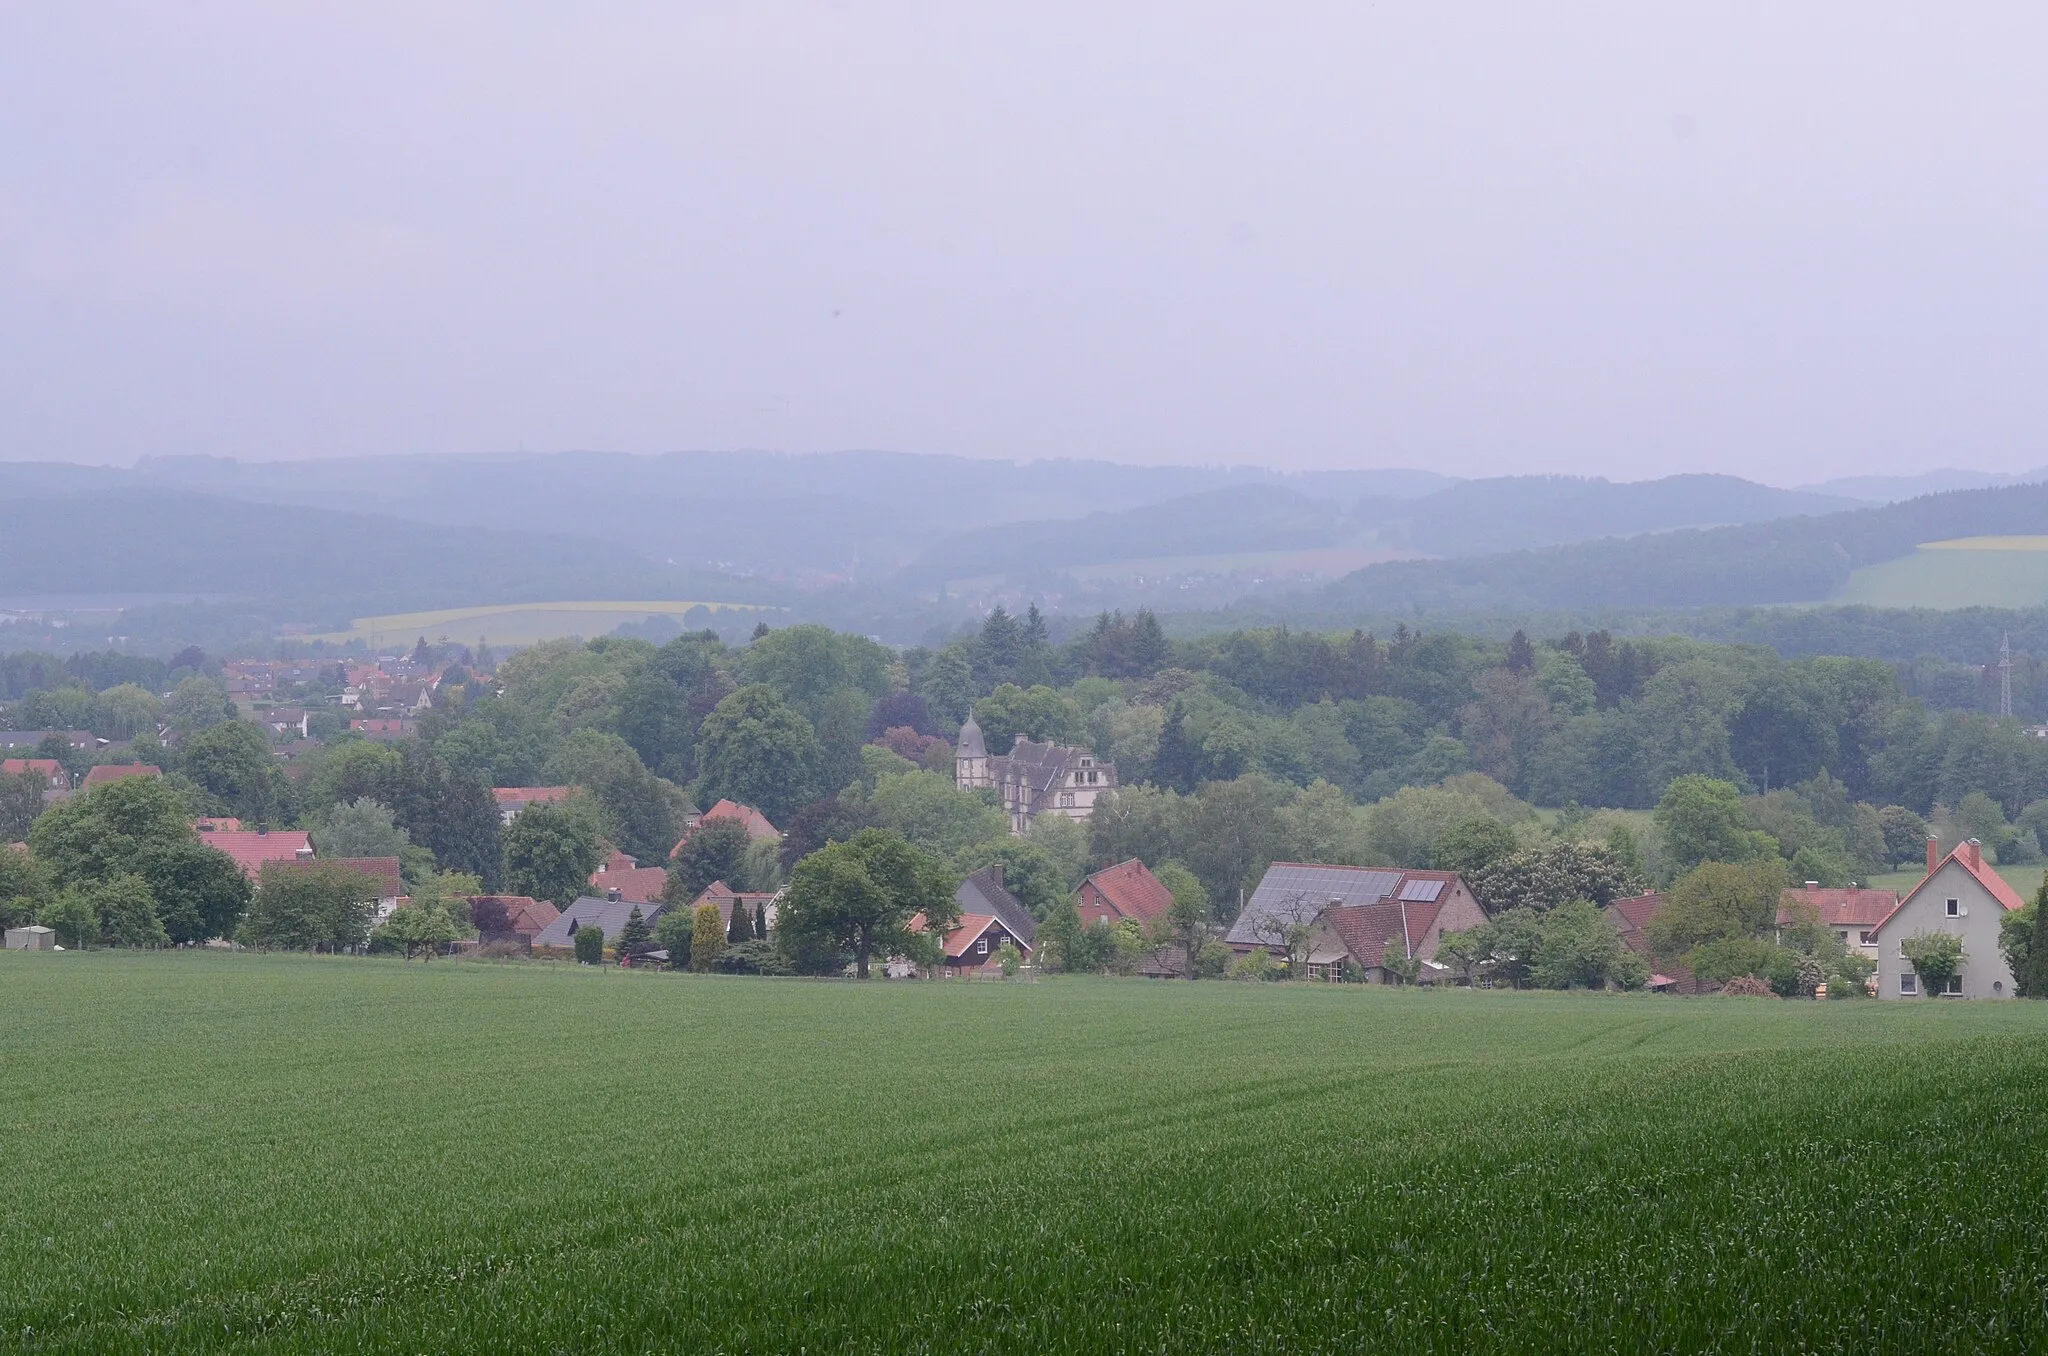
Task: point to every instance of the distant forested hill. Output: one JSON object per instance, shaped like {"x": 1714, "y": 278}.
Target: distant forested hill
{"x": 1788, "y": 560}
{"x": 317, "y": 561}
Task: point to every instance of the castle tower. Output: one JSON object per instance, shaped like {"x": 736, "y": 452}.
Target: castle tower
{"x": 970, "y": 759}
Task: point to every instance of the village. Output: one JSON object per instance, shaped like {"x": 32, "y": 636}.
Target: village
{"x": 1303, "y": 920}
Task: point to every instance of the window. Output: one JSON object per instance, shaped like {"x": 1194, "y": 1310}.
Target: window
{"x": 1864, "y": 936}
{"x": 1955, "y": 908}
{"x": 1066, "y": 800}
{"x": 1087, "y": 762}
{"x": 1843, "y": 934}
{"x": 981, "y": 947}
{"x": 1955, "y": 985}
{"x": 1909, "y": 984}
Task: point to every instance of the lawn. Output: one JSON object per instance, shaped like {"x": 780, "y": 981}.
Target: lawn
{"x": 211, "y": 1151}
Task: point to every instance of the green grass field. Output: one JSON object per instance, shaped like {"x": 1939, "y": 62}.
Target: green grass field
{"x": 211, "y": 1151}
{"x": 512, "y": 623}
{"x": 1966, "y": 572}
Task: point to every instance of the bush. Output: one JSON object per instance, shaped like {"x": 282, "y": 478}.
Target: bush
{"x": 1009, "y": 959}
{"x": 590, "y": 945}
{"x": 756, "y": 957}
{"x": 1253, "y": 964}
{"x": 707, "y": 937}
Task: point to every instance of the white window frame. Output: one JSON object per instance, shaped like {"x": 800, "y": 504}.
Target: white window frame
{"x": 981, "y": 946}
{"x": 1955, "y": 987}
{"x": 1954, "y": 908}
{"x": 1909, "y": 984}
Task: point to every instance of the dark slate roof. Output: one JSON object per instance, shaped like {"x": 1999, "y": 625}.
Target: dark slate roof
{"x": 983, "y": 893}
{"x": 1299, "y": 892}
{"x": 970, "y": 745}
{"x": 609, "y": 915}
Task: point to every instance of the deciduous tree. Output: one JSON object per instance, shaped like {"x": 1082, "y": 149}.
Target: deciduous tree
{"x": 862, "y": 894}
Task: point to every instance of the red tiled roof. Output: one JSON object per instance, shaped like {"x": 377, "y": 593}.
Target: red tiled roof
{"x": 618, "y": 861}
{"x": 251, "y": 849}
{"x": 526, "y": 917}
{"x": 50, "y": 768}
{"x": 385, "y": 869}
{"x": 757, "y": 823}
{"x": 1850, "y": 908}
{"x": 1367, "y": 930}
{"x": 1132, "y": 890}
{"x": 723, "y": 897}
{"x": 1970, "y": 857}
{"x": 528, "y": 795}
{"x": 1637, "y": 909}
{"x": 639, "y": 885}
{"x": 114, "y": 772}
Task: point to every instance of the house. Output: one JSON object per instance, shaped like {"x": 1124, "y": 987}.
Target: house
{"x": 34, "y": 937}
{"x": 114, "y": 772}
{"x": 252, "y": 849}
{"x": 983, "y": 893}
{"x": 757, "y": 823}
{"x": 512, "y": 799}
{"x": 973, "y": 944}
{"x": 52, "y": 772}
{"x": 382, "y": 731}
{"x": 1126, "y": 890}
{"x": 510, "y": 918}
{"x": 286, "y": 720}
{"x": 630, "y": 883}
{"x": 1032, "y": 779}
{"x": 1630, "y": 919}
{"x": 722, "y": 897}
{"x": 1354, "y": 915}
{"x": 1852, "y": 914}
{"x": 607, "y": 915}
{"x": 1961, "y": 895}
{"x": 383, "y": 870}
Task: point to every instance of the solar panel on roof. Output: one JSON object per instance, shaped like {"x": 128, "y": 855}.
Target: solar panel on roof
{"x": 1422, "y": 891}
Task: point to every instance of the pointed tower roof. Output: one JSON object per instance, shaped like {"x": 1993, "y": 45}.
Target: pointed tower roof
{"x": 970, "y": 745}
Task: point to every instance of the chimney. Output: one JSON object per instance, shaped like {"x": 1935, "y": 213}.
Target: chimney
{"x": 1976, "y": 851}
{"x": 1933, "y": 853}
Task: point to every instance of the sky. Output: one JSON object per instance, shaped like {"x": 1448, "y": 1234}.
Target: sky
{"x": 1786, "y": 241}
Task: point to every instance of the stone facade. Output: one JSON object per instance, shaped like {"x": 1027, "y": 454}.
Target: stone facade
{"x": 1032, "y": 779}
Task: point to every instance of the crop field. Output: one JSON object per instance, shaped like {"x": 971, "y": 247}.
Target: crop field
{"x": 1966, "y": 572}
{"x": 214, "y": 1151}
{"x": 513, "y": 623}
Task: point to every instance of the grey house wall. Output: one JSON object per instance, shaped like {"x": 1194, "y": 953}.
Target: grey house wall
{"x": 1985, "y": 973}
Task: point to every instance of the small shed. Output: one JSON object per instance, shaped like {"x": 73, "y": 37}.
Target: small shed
{"x": 31, "y": 938}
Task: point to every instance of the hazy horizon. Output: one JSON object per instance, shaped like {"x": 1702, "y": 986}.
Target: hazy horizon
{"x": 1791, "y": 246}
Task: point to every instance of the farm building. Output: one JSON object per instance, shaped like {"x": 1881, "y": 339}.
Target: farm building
{"x": 1336, "y": 916}
{"x": 34, "y": 937}
{"x": 1960, "y": 895}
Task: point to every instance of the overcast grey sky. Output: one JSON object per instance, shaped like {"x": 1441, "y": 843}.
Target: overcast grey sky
{"x": 1785, "y": 240}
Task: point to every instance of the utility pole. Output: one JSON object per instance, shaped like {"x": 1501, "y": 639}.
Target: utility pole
{"x": 2005, "y": 676}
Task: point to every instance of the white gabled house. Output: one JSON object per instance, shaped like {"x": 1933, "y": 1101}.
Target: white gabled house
{"x": 1960, "y": 895}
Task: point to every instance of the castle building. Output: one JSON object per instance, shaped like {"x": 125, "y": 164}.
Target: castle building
{"x": 1032, "y": 779}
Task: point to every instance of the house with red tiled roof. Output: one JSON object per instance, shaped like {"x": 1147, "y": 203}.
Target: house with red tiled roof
{"x": 1852, "y": 914}
{"x": 1630, "y": 919}
{"x": 1962, "y": 895}
{"x": 1339, "y": 917}
{"x": 973, "y": 943}
{"x": 252, "y": 849}
{"x": 510, "y": 918}
{"x": 1126, "y": 890}
{"x": 512, "y": 799}
{"x": 114, "y": 772}
{"x": 725, "y": 899}
{"x": 757, "y": 823}
{"x": 634, "y": 884}
{"x": 55, "y": 778}
{"x": 384, "y": 731}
